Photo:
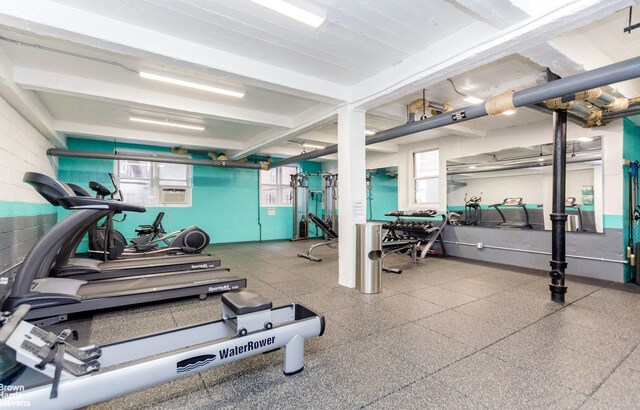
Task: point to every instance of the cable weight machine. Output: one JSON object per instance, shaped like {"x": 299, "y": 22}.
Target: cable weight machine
{"x": 302, "y": 196}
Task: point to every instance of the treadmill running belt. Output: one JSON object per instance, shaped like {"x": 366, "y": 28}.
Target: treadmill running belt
{"x": 153, "y": 283}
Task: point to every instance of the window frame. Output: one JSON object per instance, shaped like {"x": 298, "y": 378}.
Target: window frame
{"x": 279, "y": 186}
{"x": 155, "y": 184}
{"x": 415, "y": 178}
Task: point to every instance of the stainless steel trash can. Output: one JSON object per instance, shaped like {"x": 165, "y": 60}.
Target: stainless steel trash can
{"x": 572, "y": 224}
{"x": 369, "y": 257}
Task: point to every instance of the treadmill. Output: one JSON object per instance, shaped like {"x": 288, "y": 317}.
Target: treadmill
{"x": 67, "y": 266}
{"x": 512, "y": 203}
{"x": 55, "y": 298}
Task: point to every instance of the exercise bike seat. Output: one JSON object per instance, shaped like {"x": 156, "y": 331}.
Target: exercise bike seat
{"x": 99, "y": 189}
{"x": 245, "y": 301}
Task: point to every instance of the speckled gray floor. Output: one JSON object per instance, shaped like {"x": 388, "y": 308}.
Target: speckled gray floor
{"x": 446, "y": 333}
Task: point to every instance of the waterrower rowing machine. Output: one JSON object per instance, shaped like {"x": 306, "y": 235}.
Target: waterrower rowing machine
{"x": 43, "y": 370}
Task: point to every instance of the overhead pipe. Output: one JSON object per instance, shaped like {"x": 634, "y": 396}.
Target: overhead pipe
{"x": 571, "y": 117}
{"x": 634, "y": 109}
{"x": 56, "y": 152}
{"x": 610, "y": 74}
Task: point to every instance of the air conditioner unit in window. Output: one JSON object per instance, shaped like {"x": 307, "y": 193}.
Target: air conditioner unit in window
{"x": 172, "y": 195}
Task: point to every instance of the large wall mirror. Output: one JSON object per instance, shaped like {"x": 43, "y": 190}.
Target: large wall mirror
{"x": 512, "y": 188}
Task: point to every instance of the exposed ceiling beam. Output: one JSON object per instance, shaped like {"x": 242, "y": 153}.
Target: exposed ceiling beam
{"x": 578, "y": 48}
{"x": 450, "y": 57}
{"x": 58, "y": 83}
{"x": 27, "y": 104}
{"x": 48, "y": 18}
{"x": 463, "y": 131}
{"x": 290, "y": 152}
{"x": 498, "y": 13}
{"x": 105, "y": 132}
{"x": 393, "y": 111}
{"x": 303, "y": 124}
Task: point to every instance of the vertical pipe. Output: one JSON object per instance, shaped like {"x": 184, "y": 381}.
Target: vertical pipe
{"x": 259, "y": 209}
{"x": 558, "y": 215}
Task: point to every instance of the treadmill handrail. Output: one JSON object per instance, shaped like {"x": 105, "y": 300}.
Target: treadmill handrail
{"x": 78, "y": 202}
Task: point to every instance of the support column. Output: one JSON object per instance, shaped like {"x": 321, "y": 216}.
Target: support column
{"x": 352, "y": 198}
{"x": 558, "y": 215}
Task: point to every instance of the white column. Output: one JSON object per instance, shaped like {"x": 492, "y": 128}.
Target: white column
{"x": 351, "y": 189}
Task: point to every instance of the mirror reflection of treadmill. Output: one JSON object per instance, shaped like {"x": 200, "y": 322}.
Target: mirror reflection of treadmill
{"x": 512, "y": 203}
{"x": 51, "y": 297}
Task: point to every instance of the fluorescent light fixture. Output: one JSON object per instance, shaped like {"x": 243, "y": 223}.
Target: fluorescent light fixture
{"x": 189, "y": 84}
{"x": 473, "y": 100}
{"x": 472, "y": 167}
{"x": 168, "y": 123}
{"x": 585, "y": 139}
{"x": 509, "y": 112}
{"x": 312, "y": 146}
{"x": 369, "y": 132}
{"x": 540, "y": 159}
{"x": 294, "y": 12}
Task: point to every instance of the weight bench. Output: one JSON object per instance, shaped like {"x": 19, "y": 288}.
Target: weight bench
{"x": 330, "y": 235}
{"x": 388, "y": 247}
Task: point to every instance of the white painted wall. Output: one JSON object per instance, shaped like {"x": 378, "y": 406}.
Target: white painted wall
{"x": 22, "y": 149}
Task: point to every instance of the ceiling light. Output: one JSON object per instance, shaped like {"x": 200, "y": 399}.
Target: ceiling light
{"x": 473, "y": 100}
{"x": 312, "y": 146}
{"x": 472, "y": 167}
{"x": 369, "y": 132}
{"x": 168, "y": 123}
{"x": 189, "y": 84}
{"x": 293, "y": 12}
{"x": 585, "y": 139}
{"x": 540, "y": 159}
{"x": 509, "y": 112}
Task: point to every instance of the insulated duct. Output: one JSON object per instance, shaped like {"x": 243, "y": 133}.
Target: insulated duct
{"x": 415, "y": 107}
{"x": 610, "y": 74}
{"x": 596, "y": 96}
{"x": 55, "y": 152}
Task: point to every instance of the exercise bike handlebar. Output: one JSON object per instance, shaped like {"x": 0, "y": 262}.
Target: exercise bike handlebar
{"x": 116, "y": 194}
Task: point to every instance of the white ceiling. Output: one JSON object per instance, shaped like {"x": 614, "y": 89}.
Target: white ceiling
{"x": 71, "y": 66}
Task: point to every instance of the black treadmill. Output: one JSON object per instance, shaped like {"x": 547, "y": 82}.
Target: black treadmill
{"x": 67, "y": 266}
{"x": 513, "y": 203}
{"x": 54, "y": 298}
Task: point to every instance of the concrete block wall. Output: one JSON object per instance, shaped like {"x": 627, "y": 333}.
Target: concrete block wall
{"x": 24, "y": 215}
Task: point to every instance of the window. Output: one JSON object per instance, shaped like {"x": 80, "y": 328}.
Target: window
{"x": 275, "y": 188}
{"x": 426, "y": 176}
{"x": 154, "y": 183}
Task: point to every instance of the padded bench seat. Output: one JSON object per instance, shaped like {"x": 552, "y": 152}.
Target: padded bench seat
{"x": 245, "y": 301}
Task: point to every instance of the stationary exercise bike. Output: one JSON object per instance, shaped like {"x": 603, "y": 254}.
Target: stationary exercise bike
{"x": 107, "y": 243}
{"x": 472, "y": 210}
{"x": 472, "y": 214}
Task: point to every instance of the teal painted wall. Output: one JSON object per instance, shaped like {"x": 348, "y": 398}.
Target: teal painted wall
{"x": 384, "y": 192}
{"x": 630, "y": 151}
{"x": 8, "y": 208}
{"x": 225, "y": 201}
